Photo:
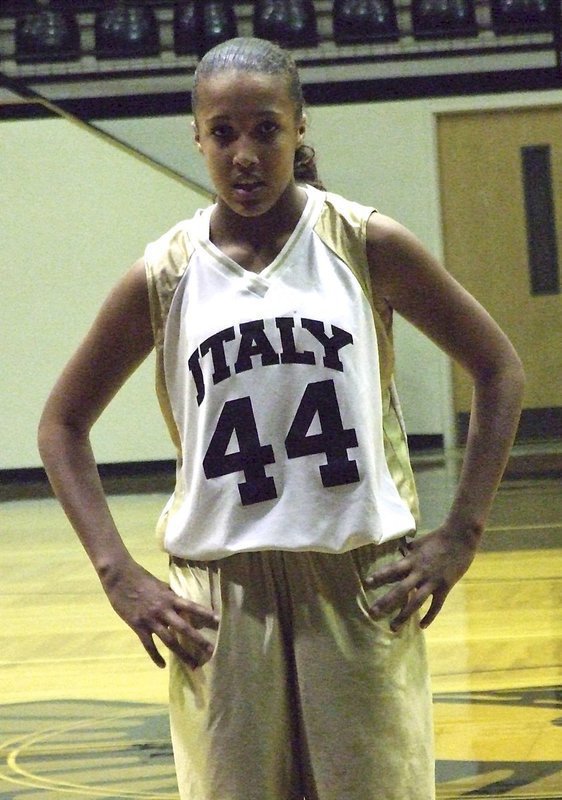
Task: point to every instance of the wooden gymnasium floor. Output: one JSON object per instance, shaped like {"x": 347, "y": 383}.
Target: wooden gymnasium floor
{"x": 83, "y": 711}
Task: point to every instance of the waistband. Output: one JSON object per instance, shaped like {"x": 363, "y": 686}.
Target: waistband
{"x": 400, "y": 543}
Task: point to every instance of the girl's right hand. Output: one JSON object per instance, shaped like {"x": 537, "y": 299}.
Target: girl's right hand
{"x": 151, "y": 608}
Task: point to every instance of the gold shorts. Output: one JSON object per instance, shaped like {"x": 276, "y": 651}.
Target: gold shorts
{"x": 305, "y": 696}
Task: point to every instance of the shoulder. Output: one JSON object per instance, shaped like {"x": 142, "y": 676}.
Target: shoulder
{"x": 170, "y": 250}
{"x": 347, "y": 209}
{"x": 419, "y": 288}
{"x": 127, "y": 304}
{"x": 399, "y": 263}
{"x": 342, "y": 225}
{"x": 388, "y": 238}
{"x": 165, "y": 262}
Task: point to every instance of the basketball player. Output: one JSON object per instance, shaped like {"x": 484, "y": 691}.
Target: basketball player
{"x": 298, "y": 666}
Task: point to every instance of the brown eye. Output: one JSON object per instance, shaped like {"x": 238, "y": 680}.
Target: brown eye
{"x": 267, "y": 128}
{"x": 222, "y": 132}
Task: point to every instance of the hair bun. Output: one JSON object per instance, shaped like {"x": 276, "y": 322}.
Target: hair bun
{"x": 305, "y": 169}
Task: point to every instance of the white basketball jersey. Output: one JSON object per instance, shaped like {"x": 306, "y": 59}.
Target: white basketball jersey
{"x": 274, "y": 393}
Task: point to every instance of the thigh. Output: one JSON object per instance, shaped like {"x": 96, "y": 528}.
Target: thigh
{"x": 364, "y": 694}
{"x": 231, "y": 719}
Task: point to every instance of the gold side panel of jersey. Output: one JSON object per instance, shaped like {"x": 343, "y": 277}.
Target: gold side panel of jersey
{"x": 166, "y": 261}
{"x": 342, "y": 226}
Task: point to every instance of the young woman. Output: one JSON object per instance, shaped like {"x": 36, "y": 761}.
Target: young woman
{"x": 297, "y": 660}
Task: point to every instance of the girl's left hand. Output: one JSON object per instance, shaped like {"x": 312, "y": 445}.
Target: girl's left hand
{"x": 432, "y": 566}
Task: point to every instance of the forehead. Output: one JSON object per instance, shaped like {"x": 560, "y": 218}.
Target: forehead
{"x": 234, "y": 93}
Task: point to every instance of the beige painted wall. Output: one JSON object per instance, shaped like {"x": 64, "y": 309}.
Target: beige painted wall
{"x": 76, "y": 212}
{"x": 383, "y": 154}
{"x": 379, "y": 154}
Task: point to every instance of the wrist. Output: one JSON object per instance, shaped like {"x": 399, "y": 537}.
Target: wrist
{"x": 110, "y": 568}
{"x": 469, "y": 528}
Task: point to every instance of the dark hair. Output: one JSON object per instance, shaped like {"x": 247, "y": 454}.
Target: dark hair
{"x": 249, "y": 54}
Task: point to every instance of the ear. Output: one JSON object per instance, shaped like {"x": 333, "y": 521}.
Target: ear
{"x": 301, "y": 130}
{"x": 196, "y": 135}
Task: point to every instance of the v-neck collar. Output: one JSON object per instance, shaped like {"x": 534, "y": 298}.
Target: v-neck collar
{"x": 259, "y": 281}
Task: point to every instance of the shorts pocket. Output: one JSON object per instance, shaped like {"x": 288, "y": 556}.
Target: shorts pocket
{"x": 199, "y": 584}
{"x": 367, "y": 561}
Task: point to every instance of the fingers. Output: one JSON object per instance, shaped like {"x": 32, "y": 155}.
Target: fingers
{"x": 150, "y": 647}
{"x": 194, "y": 650}
{"x": 402, "y": 575}
{"x": 199, "y": 616}
{"x": 181, "y": 638}
{"x": 393, "y": 599}
{"x": 178, "y": 625}
{"x": 390, "y": 573}
{"x": 185, "y": 629}
{"x": 407, "y": 605}
{"x": 152, "y": 609}
{"x": 172, "y": 644}
{"x": 182, "y": 635}
{"x": 412, "y": 586}
{"x": 414, "y": 602}
{"x": 437, "y": 602}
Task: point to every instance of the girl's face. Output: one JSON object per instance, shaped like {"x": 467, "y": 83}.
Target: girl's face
{"x": 247, "y": 130}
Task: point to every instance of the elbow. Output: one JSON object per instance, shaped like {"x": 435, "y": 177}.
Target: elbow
{"x": 515, "y": 374}
{"x": 55, "y": 433}
{"x": 49, "y": 432}
{"x": 46, "y": 439}
{"x": 522, "y": 378}
{"x": 44, "y": 432}
{"x": 505, "y": 380}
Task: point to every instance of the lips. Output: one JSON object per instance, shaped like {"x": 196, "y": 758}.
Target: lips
{"x": 248, "y": 183}
{"x": 248, "y": 188}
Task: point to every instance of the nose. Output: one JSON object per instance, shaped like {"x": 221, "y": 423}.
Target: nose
{"x": 244, "y": 155}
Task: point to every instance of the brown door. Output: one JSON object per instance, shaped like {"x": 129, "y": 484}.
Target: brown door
{"x": 486, "y": 244}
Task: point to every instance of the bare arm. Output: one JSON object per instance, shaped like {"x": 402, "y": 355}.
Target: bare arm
{"x": 422, "y": 291}
{"x": 117, "y": 343}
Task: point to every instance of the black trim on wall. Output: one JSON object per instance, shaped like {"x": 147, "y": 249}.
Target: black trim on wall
{"x": 137, "y": 477}
{"x": 536, "y": 425}
{"x": 334, "y": 93}
{"x": 418, "y": 442}
{"x": 540, "y": 218}
{"x": 126, "y": 477}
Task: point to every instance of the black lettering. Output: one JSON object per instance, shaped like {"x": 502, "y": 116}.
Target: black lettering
{"x": 331, "y": 344}
{"x": 254, "y": 342}
{"x": 320, "y": 400}
{"x": 215, "y": 345}
{"x": 197, "y": 375}
{"x": 290, "y": 354}
{"x": 237, "y": 419}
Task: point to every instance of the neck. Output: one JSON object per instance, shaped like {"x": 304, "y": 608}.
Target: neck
{"x": 262, "y": 230}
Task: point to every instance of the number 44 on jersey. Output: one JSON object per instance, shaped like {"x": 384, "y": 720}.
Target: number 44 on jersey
{"x": 237, "y": 417}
